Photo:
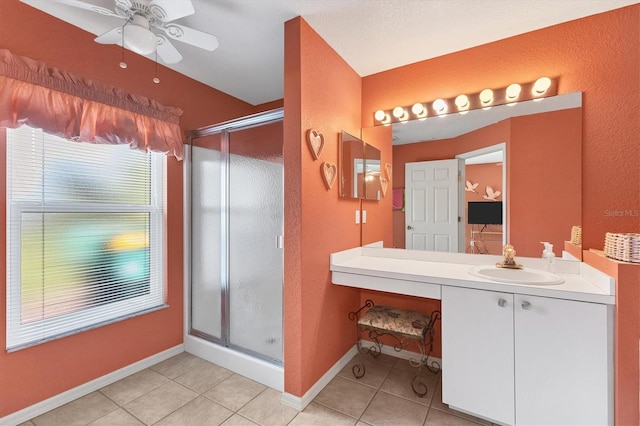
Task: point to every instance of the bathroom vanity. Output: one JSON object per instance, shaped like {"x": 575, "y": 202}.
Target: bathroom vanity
{"x": 512, "y": 352}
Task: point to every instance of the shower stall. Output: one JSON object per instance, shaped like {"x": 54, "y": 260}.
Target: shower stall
{"x": 233, "y": 245}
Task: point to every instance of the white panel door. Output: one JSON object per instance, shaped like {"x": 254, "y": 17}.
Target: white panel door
{"x": 563, "y": 362}
{"x": 477, "y": 352}
{"x": 433, "y": 206}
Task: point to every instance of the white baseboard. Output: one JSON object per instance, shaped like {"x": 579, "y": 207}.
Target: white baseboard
{"x": 403, "y": 354}
{"x": 54, "y": 402}
{"x": 299, "y": 403}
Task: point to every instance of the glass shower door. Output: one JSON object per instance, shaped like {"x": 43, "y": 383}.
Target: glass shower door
{"x": 207, "y": 237}
{"x": 237, "y": 221}
{"x": 256, "y": 226}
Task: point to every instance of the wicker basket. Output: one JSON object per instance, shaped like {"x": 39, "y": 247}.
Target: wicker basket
{"x": 576, "y": 235}
{"x": 625, "y": 247}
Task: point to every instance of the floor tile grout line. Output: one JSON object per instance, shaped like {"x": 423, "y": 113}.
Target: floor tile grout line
{"x": 385, "y": 369}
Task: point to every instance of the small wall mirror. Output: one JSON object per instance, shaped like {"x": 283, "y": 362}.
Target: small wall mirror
{"x": 359, "y": 169}
{"x": 351, "y": 166}
{"x": 372, "y": 185}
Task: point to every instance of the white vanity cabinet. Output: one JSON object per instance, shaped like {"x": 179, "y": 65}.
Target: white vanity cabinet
{"x": 527, "y": 360}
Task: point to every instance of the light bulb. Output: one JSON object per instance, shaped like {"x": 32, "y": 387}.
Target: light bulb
{"x": 380, "y": 115}
{"x": 417, "y": 109}
{"x": 462, "y": 102}
{"x": 440, "y": 106}
{"x": 398, "y": 112}
{"x": 486, "y": 97}
{"x": 541, "y": 86}
{"x": 513, "y": 91}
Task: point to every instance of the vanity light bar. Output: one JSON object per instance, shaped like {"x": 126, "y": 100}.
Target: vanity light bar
{"x": 485, "y": 99}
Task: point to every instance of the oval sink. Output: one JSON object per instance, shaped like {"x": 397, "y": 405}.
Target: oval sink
{"x": 516, "y": 276}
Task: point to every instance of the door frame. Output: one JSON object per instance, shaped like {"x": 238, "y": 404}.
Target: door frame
{"x": 500, "y": 147}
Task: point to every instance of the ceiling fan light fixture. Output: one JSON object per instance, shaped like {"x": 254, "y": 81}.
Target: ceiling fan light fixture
{"x": 138, "y": 37}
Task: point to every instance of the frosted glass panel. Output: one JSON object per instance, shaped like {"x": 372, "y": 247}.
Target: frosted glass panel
{"x": 255, "y": 228}
{"x": 206, "y": 243}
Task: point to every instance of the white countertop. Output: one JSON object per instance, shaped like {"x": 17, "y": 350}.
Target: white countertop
{"x": 422, "y": 273}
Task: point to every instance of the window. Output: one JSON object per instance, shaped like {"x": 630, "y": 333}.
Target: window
{"x": 84, "y": 235}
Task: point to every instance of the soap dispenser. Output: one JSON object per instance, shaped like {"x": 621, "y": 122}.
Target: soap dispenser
{"x": 548, "y": 255}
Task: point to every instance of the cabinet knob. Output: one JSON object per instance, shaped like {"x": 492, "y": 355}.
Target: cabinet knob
{"x": 526, "y": 305}
{"x": 502, "y": 303}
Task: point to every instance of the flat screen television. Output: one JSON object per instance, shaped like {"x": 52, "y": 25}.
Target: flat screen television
{"x": 484, "y": 213}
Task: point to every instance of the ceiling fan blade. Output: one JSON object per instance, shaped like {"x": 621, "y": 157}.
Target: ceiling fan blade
{"x": 167, "y": 52}
{"x": 190, "y": 36}
{"x": 91, "y": 7}
{"x": 169, "y": 10}
{"x": 113, "y": 36}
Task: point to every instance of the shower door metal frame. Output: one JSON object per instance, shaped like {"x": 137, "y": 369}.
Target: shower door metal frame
{"x": 224, "y": 129}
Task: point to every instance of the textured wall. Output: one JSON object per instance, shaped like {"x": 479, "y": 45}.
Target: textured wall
{"x": 323, "y": 93}
{"x": 597, "y": 55}
{"x": 34, "y": 374}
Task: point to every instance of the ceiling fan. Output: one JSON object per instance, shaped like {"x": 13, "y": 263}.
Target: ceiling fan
{"x": 149, "y": 25}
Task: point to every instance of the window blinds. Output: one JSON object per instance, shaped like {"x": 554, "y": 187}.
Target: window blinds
{"x": 84, "y": 235}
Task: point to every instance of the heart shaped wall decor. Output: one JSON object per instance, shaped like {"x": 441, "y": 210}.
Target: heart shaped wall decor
{"x": 329, "y": 173}
{"x": 316, "y": 142}
{"x": 388, "y": 170}
{"x": 383, "y": 185}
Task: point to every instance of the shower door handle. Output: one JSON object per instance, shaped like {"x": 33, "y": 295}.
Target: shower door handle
{"x": 280, "y": 241}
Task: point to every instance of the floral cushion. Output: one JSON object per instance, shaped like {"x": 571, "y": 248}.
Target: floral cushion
{"x": 408, "y": 323}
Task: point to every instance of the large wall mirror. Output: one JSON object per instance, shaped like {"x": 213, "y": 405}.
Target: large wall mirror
{"x": 526, "y": 156}
{"x": 359, "y": 169}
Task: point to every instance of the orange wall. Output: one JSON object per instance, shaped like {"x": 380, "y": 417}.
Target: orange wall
{"x": 544, "y": 181}
{"x": 31, "y": 375}
{"x": 323, "y": 93}
{"x": 598, "y": 56}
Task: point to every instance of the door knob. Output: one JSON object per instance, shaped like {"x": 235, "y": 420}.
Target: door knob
{"x": 526, "y": 305}
{"x": 409, "y": 227}
{"x": 502, "y": 303}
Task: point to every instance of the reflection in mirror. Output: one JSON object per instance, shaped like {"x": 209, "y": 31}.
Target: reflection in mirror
{"x": 372, "y": 186}
{"x": 359, "y": 169}
{"x": 542, "y": 184}
{"x": 485, "y": 199}
{"x": 351, "y": 154}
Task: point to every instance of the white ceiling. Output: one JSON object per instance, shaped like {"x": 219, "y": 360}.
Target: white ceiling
{"x": 370, "y": 35}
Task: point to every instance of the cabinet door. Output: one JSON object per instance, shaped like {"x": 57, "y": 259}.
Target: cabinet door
{"x": 564, "y": 363}
{"x": 477, "y": 352}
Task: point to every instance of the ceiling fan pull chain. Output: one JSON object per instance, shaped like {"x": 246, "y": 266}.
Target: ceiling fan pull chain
{"x": 123, "y": 64}
{"x": 156, "y": 80}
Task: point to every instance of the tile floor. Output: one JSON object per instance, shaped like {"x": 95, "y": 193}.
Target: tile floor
{"x": 188, "y": 391}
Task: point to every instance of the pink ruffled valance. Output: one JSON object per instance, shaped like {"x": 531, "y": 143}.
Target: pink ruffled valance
{"x": 83, "y": 110}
